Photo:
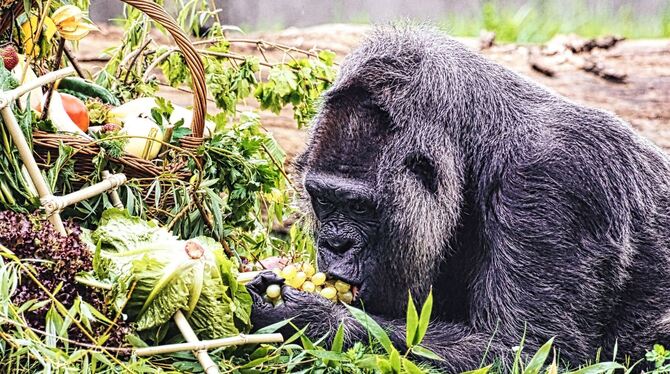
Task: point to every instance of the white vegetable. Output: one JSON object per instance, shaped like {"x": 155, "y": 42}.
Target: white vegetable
{"x": 142, "y": 106}
{"x": 36, "y": 93}
{"x": 142, "y": 128}
{"x": 59, "y": 116}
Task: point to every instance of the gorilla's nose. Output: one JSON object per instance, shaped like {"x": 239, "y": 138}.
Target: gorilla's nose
{"x": 338, "y": 244}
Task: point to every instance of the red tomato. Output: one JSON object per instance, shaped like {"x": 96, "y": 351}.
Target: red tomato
{"x": 76, "y": 110}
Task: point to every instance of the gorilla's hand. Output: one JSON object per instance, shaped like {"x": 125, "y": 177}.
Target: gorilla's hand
{"x": 301, "y": 307}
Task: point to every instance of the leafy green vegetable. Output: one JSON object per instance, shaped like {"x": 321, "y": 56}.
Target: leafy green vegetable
{"x": 7, "y": 80}
{"x": 155, "y": 274}
{"x": 121, "y": 232}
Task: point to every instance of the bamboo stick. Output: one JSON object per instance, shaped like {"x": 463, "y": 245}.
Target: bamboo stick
{"x": 26, "y": 155}
{"x": 247, "y": 276}
{"x": 210, "y": 344}
{"x": 11, "y": 95}
{"x": 208, "y": 365}
{"x": 113, "y": 193}
{"x": 57, "y": 203}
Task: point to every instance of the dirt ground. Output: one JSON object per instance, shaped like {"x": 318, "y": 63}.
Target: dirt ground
{"x": 630, "y": 78}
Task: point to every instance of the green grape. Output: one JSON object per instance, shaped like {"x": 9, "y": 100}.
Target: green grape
{"x": 329, "y": 293}
{"x": 342, "y": 287}
{"x": 278, "y": 302}
{"x": 308, "y": 286}
{"x": 300, "y": 278}
{"x": 319, "y": 279}
{"x": 346, "y": 297}
{"x": 273, "y": 291}
{"x": 289, "y": 272}
{"x": 308, "y": 269}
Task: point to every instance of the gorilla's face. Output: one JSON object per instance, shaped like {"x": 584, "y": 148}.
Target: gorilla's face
{"x": 347, "y": 218}
{"x": 370, "y": 198}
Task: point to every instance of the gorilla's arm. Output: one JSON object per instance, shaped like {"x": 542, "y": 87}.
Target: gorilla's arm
{"x": 461, "y": 347}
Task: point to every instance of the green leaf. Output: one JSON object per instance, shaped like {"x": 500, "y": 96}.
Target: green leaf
{"x": 394, "y": 360}
{"x": 425, "y": 352}
{"x": 295, "y": 336}
{"x": 372, "y": 327}
{"x": 410, "y": 367}
{"x": 424, "y": 320}
{"x": 168, "y": 274}
{"x": 120, "y": 231}
{"x": 196, "y": 286}
{"x": 338, "y": 340}
{"x": 536, "y": 363}
{"x": 306, "y": 342}
{"x": 383, "y": 365}
{"x": 273, "y": 327}
{"x": 7, "y": 80}
{"x": 482, "y": 370}
{"x": 598, "y": 368}
{"x": 327, "y": 56}
{"x": 147, "y": 272}
{"x": 327, "y": 355}
{"x": 135, "y": 341}
{"x": 412, "y": 323}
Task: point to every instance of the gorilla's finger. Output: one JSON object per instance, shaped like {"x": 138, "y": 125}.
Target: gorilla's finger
{"x": 263, "y": 280}
{"x": 290, "y": 294}
{"x": 257, "y": 298}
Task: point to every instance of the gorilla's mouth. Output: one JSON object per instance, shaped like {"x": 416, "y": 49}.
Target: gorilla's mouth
{"x": 355, "y": 292}
{"x": 357, "y": 287}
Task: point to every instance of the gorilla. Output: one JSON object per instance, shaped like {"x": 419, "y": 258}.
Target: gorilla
{"x": 528, "y": 215}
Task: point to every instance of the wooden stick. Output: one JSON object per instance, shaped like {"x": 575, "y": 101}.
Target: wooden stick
{"x": 208, "y": 365}
{"x": 247, "y": 276}
{"x": 26, "y": 155}
{"x": 11, "y": 95}
{"x": 47, "y": 100}
{"x": 210, "y": 344}
{"x": 113, "y": 193}
{"x": 73, "y": 60}
{"x": 57, "y": 203}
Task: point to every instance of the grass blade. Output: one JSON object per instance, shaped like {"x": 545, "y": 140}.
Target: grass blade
{"x": 425, "y": 318}
{"x": 536, "y": 363}
{"x": 412, "y": 323}
{"x": 372, "y": 327}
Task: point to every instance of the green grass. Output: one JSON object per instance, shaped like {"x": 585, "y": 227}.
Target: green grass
{"x": 538, "y": 21}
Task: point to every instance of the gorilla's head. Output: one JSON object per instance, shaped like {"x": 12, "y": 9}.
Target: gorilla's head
{"x": 381, "y": 176}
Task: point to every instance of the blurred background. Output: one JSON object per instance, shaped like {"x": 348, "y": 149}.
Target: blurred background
{"x": 512, "y": 20}
{"x": 570, "y": 46}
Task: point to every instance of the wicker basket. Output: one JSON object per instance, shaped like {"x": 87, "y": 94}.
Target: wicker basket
{"x": 46, "y": 145}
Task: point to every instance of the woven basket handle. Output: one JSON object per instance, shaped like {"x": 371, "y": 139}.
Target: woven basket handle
{"x": 158, "y": 14}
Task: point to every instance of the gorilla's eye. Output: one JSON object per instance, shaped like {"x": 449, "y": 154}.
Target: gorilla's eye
{"x": 359, "y": 207}
{"x": 322, "y": 201}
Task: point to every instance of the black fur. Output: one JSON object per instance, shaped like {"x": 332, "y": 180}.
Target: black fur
{"x": 521, "y": 209}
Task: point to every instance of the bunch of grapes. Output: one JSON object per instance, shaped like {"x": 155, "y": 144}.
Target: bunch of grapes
{"x": 303, "y": 276}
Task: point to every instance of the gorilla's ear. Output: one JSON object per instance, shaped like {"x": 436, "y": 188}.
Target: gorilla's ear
{"x": 424, "y": 169}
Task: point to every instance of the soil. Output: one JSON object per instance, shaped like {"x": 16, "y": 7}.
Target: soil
{"x": 630, "y": 78}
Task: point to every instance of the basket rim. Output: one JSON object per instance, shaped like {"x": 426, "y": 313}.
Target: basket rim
{"x": 158, "y": 14}
{"x": 86, "y": 149}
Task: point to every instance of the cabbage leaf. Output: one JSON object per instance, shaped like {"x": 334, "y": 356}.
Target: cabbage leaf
{"x": 154, "y": 276}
